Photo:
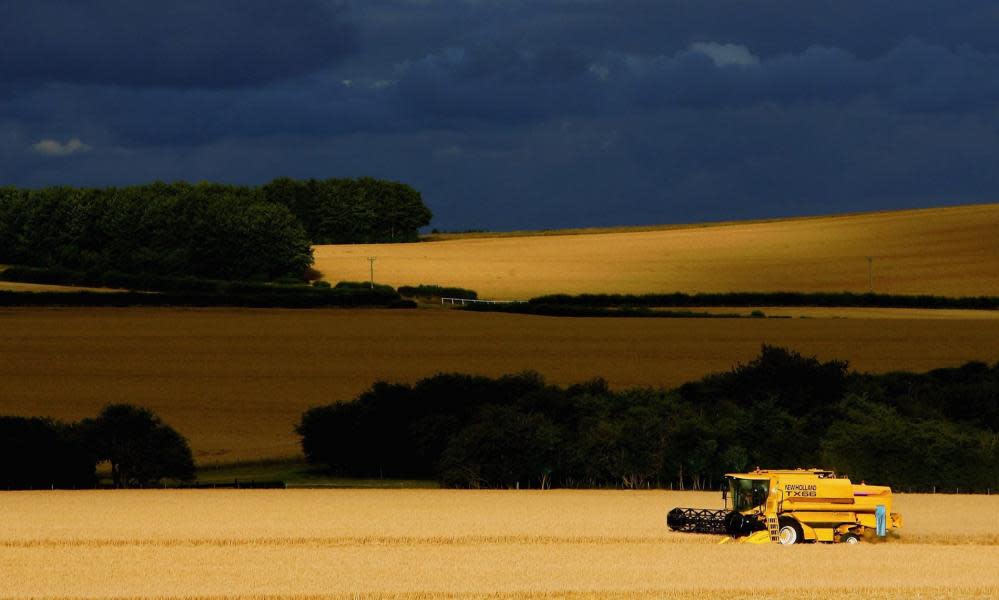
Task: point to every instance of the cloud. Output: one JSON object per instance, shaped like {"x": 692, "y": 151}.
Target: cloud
{"x": 181, "y": 43}
{"x": 724, "y": 55}
{"x": 598, "y": 111}
{"x": 50, "y": 147}
{"x": 492, "y": 85}
{"x": 460, "y": 87}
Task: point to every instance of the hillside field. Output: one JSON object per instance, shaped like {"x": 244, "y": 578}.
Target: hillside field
{"x": 236, "y": 381}
{"x": 419, "y": 544}
{"x": 950, "y": 251}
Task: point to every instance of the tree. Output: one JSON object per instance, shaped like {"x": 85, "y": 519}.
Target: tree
{"x": 875, "y": 443}
{"x": 141, "y": 448}
{"x": 42, "y": 453}
{"x": 505, "y": 447}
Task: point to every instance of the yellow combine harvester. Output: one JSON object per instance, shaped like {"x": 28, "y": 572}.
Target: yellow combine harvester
{"x": 794, "y": 506}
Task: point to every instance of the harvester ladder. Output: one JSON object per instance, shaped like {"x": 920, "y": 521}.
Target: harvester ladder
{"x": 774, "y": 528}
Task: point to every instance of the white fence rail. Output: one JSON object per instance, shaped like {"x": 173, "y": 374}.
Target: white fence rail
{"x": 464, "y": 301}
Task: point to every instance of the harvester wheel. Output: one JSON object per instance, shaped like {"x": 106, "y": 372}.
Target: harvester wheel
{"x": 849, "y": 538}
{"x": 789, "y": 532}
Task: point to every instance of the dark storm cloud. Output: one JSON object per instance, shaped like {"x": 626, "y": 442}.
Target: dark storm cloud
{"x": 913, "y": 76}
{"x": 182, "y": 117}
{"x": 504, "y": 85}
{"x": 498, "y": 83}
{"x": 865, "y": 28}
{"x": 184, "y": 43}
{"x": 492, "y": 86}
{"x": 517, "y": 113}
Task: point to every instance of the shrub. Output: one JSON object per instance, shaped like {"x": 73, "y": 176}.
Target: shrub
{"x": 767, "y": 299}
{"x": 364, "y": 285}
{"x": 436, "y": 291}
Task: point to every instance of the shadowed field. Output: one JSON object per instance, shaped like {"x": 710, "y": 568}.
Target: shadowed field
{"x": 449, "y": 544}
{"x": 941, "y": 251}
{"x": 235, "y": 381}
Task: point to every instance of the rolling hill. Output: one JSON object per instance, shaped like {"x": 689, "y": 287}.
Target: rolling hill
{"x": 951, "y": 251}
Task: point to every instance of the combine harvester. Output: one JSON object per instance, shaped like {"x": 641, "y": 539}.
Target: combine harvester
{"x": 792, "y": 507}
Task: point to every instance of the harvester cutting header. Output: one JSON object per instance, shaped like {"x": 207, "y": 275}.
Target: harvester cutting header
{"x": 794, "y": 506}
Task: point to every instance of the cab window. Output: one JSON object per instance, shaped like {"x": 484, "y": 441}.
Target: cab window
{"x": 748, "y": 493}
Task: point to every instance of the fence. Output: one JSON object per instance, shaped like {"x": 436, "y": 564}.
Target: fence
{"x": 464, "y": 301}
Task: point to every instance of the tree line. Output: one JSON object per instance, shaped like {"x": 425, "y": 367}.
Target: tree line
{"x": 352, "y": 211}
{"x": 912, "y": 431}
{"x": 204, "y": 230}
{"x": 567, "y": 302}
{"x": 138, "y": 446}
{"x": 190, "y": 291}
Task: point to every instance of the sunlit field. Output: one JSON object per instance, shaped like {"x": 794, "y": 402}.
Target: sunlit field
{"x": 447, "y": 543}
{"x": 235, "y": 381}
{"x": 15, "y": 286}
{"x": 942, "y": 251}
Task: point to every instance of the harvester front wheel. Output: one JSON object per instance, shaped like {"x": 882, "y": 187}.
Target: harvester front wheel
{"x": 789, "y": 532}
{"x": 849, "y": 538}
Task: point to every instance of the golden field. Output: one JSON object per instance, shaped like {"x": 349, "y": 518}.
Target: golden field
{"x": 457, "y": 544}
{"x": 16, "y": 286}
{"x": 943, "y": 251}
{"x": 235, "y": 381}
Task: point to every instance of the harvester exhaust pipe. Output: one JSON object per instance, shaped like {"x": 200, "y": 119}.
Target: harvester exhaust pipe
{"x": 697, "y": 520}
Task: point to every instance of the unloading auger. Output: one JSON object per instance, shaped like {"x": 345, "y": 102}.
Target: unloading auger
{"x": 792, "y": 507}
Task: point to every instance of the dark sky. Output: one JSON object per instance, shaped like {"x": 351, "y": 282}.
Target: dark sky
{"x": 517, "y": 114}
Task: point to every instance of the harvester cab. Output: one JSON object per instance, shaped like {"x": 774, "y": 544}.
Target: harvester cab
{"x": 791, "y": 507}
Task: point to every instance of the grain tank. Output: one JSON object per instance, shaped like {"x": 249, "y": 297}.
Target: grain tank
{"x": 794, "y": 506}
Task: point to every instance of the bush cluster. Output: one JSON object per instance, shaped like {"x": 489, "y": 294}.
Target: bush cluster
{"x": 42, "y": 453}
{"x": 912, "y": 431}
{"x": 364, "y": 286}
{"x": 836, "y": 299}
{"x": 140, "y": 448}
{"x": 436, "y": 291}
{"x": 309, "y": 298}
{"x": 573, "y": 310}
{"x": 191, "y": 291}
{"x": 141, "y": 281}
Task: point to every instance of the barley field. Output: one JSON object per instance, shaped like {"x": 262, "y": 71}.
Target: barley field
{"x": 950, "y": 251}
{"x": 458, "y": 544}
{"x": 235, "y": 381}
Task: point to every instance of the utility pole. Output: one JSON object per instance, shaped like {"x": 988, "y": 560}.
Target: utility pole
{"x": 371, "y": 261}
{"x": 870, "y": 274}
